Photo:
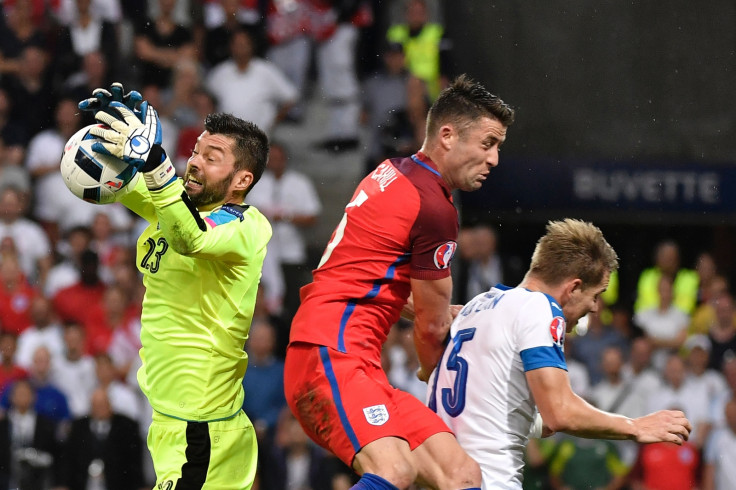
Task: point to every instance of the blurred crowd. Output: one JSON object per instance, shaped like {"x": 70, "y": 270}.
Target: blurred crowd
{"x": 70, "y": 293}
{"x": 72, "y": 415}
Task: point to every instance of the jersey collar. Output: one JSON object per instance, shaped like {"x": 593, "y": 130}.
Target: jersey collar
{"x": 423, "y": 160}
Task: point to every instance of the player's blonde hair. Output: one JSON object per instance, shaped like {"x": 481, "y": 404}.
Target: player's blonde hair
{"x": 573, "y": 248}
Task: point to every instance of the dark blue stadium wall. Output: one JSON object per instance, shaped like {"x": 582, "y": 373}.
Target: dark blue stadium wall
{"x": 626, "y": 115}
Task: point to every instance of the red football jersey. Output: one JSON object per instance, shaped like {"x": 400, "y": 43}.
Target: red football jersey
{"x": 400, "y": 224}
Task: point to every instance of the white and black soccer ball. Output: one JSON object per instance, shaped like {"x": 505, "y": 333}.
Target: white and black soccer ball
{"x": 92, "y": 176}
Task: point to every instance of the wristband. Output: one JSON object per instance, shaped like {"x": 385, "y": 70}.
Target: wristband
{"x": 161, "y": 175}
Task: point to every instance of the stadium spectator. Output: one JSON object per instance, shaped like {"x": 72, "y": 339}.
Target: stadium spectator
{"x": 697, "y": 351}
{"x": 705, "y": 313}
{"x": 106, "y": 10}
{"x": 290, "y": 46}
{"x": 614, "y": 393}
{"x": 10, "y": 371}
{"x": 45, "y": 330}
{"x": 65, "y": 272}
{"x": 249, "y": 87}
{"x": 579, "y": 463}
{"x": 110, "y": 244}
{"x": 719, "y": 404}
{"x": 16, "y": 295}
{"x": 114, "y": 314}
{"x": 29, "y": 448}
{"x": 293, "y": 461}
{"x": 400, "y": 361}
{"x": 707, "y": 270}
{"x": 178, "y": 100}
{"x": 74, "y": 372}
{"x": 42, "y": 162}
{"x": 719, "y": 471}
{"x": 160, "y": 43}
{"x": 17, "y": 31}
{"x": 334, "y": 29}
{"x": 203, "y": 103}
{"x": 577, "y": 372}
{"x": 386, "y": 96}
{"x": 667, "y": 263}
{"x": 666, "y": 466}
{"x": 426, "y": 46}
{"x": 681, "y": 393}
{"x": 86, "y": 33}
{"x": 94, "y": 73}
{"x": 27, "y": 239}
{"x": 103, "y": 450}
{"x": 264, "y": 380}
{"x": 73, "y": 303}
{"x": 12, "y": 134}
{"x": 481, "y": 267}
{"x": 224, "y": 17}
{"x": 31, "y": 90}
{"x": 264, "y": 311}
{"x": 665, "y": 324}
{"x": 216, "y": 12}
{"x": 638, "y": 371}
{"x": 289, "y": 199}
{"x": 722, "y": 332}
{"x": 49, "y": 400}
{"x": 599, "y": 336}
{"x": 123, "y": 399}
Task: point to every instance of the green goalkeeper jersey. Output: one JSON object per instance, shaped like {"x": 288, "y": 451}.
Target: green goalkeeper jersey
{"x": 201, "y": 272}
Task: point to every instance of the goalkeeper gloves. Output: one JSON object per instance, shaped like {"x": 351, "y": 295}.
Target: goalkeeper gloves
{"x": 101, "y": 99}
{"x": 135, "y": 138}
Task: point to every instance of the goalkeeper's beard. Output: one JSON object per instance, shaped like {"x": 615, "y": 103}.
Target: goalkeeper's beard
{"x": 209, "y": 194}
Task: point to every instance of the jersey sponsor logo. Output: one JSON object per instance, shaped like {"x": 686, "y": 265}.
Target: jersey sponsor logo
{"x": 384, "y": 175}
{"x": 376, "y": 415}
{"x": 443, "y": 255}
{"x": 166, "y": 485}
{"x": 557, "y": 329}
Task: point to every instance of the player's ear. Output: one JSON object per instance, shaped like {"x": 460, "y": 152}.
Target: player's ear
{"x": 242, "y": 180}
{"x": 447, "y": 136}
{"x": 571, "y": 286}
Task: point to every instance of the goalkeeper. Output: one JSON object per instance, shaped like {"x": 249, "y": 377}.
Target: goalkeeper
{"x": 201, "y": 258}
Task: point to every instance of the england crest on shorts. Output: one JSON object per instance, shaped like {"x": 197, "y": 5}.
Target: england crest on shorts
{"x": 376, "y": 415}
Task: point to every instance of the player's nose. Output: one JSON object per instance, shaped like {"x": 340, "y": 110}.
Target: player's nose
{"x": 492, "y": 158}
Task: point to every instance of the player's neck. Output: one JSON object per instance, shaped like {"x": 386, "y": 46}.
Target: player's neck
{"x": 535, "y": 284}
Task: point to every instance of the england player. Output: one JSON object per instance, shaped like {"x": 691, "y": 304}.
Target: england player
{"x": 396, "y": 238}
{"x": 201, "y": 258}
{"x": 505, "y": 363}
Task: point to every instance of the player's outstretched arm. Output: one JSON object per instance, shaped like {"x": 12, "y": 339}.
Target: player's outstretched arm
{"x": 564, "y": 411}
{"x": 432, "y": 321}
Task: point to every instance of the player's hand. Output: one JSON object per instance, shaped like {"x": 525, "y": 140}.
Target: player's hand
{"x": 423, "y": 375}
{"x": 130, "y": 137}
{"x": 101, "y": 99}
{"x": 663, "y": 426}
{"x": 455, "y": 310}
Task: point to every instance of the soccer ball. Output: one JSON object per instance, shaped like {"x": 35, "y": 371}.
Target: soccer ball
{"x": 92, "y": 176}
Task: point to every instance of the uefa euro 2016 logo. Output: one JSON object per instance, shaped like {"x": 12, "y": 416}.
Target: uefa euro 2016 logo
{"x": 443, "y": 255}
{"x": 557, "y": 329}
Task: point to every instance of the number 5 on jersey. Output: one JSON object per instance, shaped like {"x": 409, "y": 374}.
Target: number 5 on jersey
{"x": 453, "y": 399}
